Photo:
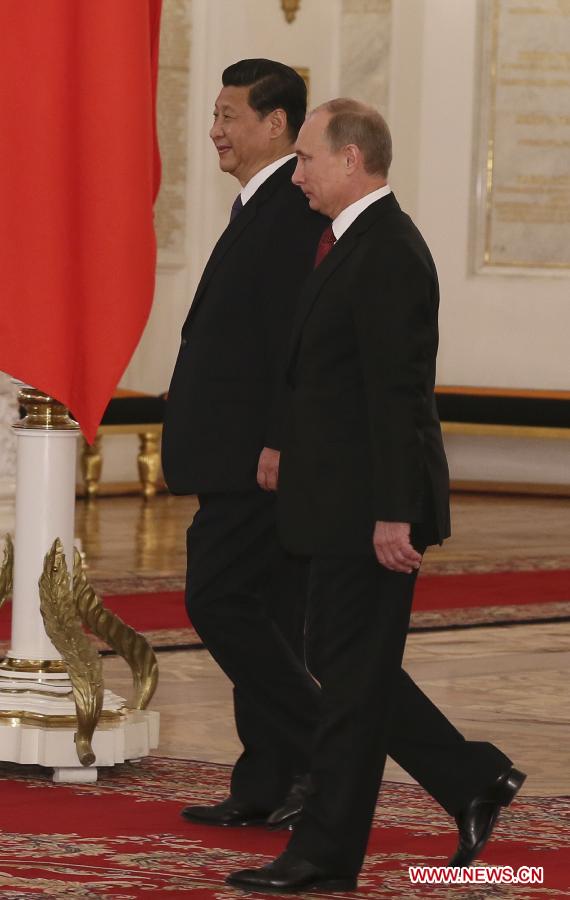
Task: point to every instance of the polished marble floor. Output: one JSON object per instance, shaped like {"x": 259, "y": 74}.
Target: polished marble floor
{"x": 508, "y": 685}
{"x": 126, "y": 536}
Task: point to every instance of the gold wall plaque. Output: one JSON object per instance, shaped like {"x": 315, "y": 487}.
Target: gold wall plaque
{"x": 523, "y": 176}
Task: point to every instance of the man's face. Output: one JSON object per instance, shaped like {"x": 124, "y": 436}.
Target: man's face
{"x": 241, "y": 138}
{"x": 320, "y": 172}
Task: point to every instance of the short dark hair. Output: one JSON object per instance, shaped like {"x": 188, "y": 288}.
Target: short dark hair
{"x": 352, "y": 122}
{"x": 273, "y": 85}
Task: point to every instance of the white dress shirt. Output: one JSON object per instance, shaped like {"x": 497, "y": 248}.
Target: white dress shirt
{"x": 345, "y": 218}
{"x": 254, "y": 183}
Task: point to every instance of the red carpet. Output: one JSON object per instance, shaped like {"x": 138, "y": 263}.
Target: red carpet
{"x": 123, "y": 838}
{"x": 441, "y": 601}
{"x": 491, "y": 589}
{"x": 163, "y": 611}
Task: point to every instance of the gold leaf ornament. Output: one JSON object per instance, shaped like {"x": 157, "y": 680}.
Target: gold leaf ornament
{"x": 124, "y": 640}
{"x": 83, "y": 663}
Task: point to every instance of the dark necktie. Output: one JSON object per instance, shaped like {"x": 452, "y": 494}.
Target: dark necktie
{"x": 325, "y": 245}
{"x": 237, "y": 207}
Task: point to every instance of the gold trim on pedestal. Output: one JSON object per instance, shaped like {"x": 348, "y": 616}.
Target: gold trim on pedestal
{"x": 83, "y": 663}
{"x": 55, "y": 666}
{"x": 26, "y": 689}
{"x": 44, "y": 412}
{"x": 128, "y": 643}
{"x": 108, "y": 718}
{"x": 63, "y": 610}
{"x": 7, "y": 571}
{"x": 290, "y": 9}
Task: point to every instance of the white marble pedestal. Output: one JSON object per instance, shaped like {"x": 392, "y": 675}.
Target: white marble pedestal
{"x": 37, "y": 726}
{"x": 38, "y": 716}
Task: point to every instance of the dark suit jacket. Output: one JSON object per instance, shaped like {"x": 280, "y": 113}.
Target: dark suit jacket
{"x": 224, "y": 401}
{"x": 363, "y": 441}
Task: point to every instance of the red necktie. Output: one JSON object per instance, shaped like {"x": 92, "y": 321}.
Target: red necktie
{"x": 325, "y": 245}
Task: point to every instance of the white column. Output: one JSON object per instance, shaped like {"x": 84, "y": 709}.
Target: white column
{"x": 45, "y": 510}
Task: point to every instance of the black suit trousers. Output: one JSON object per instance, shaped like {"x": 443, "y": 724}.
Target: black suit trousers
{"x": 356, "y": 630}
{"x": 246, "y": 598}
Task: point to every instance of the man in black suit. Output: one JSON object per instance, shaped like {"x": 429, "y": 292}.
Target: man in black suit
{"x": 245, "y": 596}
{"x": 363, "y": 490}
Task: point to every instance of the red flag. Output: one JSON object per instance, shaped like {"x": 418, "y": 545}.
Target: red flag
{"x": 79, "y": 171}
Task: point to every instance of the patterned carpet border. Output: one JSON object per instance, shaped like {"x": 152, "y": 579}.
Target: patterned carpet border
{"x": 444, "y": 620}
{"x": 529, "y": 614}
{"x": 186, "y": 638}
{"x": 137, "y": 584}
{"x": 134, "y": 583}
{"x": 122, "y": 838}
{"x": 504, "y": 615}
{"x": 451, "y": 616}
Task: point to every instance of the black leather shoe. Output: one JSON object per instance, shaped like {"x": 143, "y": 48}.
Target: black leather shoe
{"x": 477, "y": 820}
{"x": 289, "y": 874}
{"x": 289, "y": 813}
{"x": 230, "y": 813}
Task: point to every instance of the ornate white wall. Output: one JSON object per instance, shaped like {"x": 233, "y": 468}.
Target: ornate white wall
{"x": 8, "y": 414}
{"x": 417, "y": 61}
{"x": 496, "y": 330}
{"x": 365, "y": 38}
{"x": 506, "y": 330}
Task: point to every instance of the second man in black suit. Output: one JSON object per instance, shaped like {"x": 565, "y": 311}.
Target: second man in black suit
{"x": 245, "y": 596}
{"x": 363, "y": 488}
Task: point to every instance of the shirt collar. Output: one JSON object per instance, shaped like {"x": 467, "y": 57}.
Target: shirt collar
{"x": 345, "y": 218}
{"x": 254, "y": 183}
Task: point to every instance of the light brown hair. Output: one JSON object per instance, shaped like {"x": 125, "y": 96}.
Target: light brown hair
{"x": 352, "y": 122}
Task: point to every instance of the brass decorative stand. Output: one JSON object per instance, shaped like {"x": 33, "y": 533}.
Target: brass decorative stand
{"x": 54, "y": 709}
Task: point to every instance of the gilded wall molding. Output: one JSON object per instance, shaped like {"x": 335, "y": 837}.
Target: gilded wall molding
{"x": 290, "y": 9}
{"x": 172, "y": 117}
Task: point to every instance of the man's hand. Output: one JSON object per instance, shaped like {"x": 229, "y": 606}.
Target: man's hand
{"x": 393, "y": 548}
{"x": 268, "y": 469}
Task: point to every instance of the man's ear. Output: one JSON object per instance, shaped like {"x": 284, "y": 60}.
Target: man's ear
{"x": 278, "y": 122}
{"x": 352, "y": 157}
